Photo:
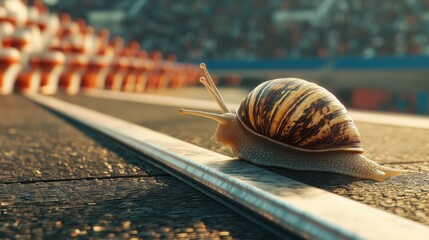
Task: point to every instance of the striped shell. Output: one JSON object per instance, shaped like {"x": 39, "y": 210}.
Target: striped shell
{"x": 300, "y": 115}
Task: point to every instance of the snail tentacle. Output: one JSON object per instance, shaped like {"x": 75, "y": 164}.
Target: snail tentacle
{"x": 214, "y": 91}
{"x": 214, "y": 116}
{"x": 218, "y": 100}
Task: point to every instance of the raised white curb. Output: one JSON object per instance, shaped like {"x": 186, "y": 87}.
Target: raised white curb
{"x": 393, "y": 119}
{"x": 306, "y": 211}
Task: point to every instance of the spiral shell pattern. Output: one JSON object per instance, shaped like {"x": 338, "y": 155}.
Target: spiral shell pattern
{"x": 299, "y": 114}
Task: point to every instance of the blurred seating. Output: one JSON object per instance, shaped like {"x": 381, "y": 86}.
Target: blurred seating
{"x": 144, "y": 66}
{"x": 29, "y": 79}
{"x": 45, "y": 52}
{"x": 9, "y": 68}
{"x": 51, "y": 65}
{"x": 71, "y": 78}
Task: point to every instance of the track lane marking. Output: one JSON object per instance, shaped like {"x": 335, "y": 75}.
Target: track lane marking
{"x": 392, "y": 119}
{"x": 302, "y": 209}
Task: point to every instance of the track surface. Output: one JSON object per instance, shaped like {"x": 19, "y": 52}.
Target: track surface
{"x": 404, "y": 148}
{"x": 60, "y": 179}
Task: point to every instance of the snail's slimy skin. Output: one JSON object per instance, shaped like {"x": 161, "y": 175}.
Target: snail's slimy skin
{"x": 258, "y": 150}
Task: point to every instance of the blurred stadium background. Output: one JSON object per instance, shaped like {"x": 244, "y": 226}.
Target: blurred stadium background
{"x": 372, "y": 54}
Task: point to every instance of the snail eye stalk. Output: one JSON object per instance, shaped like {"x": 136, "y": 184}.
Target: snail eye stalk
{"x": 212, "y": 89}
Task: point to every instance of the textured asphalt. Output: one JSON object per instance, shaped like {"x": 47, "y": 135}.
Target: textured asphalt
{"x": 404, "y": 148}
{"x": 61, "y": 180}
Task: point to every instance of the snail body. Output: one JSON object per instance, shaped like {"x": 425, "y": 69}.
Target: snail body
{"x": 295, "y": 124}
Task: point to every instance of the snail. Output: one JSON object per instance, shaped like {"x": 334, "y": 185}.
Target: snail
{"x": 295, "y": 124}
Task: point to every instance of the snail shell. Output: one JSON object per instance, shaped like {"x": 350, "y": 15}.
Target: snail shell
{"x": 301, "y": 115}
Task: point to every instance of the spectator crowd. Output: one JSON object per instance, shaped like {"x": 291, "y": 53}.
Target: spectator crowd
{"x": 245, "y": 29}
{"x": 223, "y": 29}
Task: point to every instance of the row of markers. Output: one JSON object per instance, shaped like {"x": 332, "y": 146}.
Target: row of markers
{"x": 43, "y": 52}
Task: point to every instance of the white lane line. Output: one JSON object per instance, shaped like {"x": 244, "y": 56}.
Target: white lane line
{"x": 307, "y": 211}
{"x": 156, "y": 99}
{"x": 393, "y": 119}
